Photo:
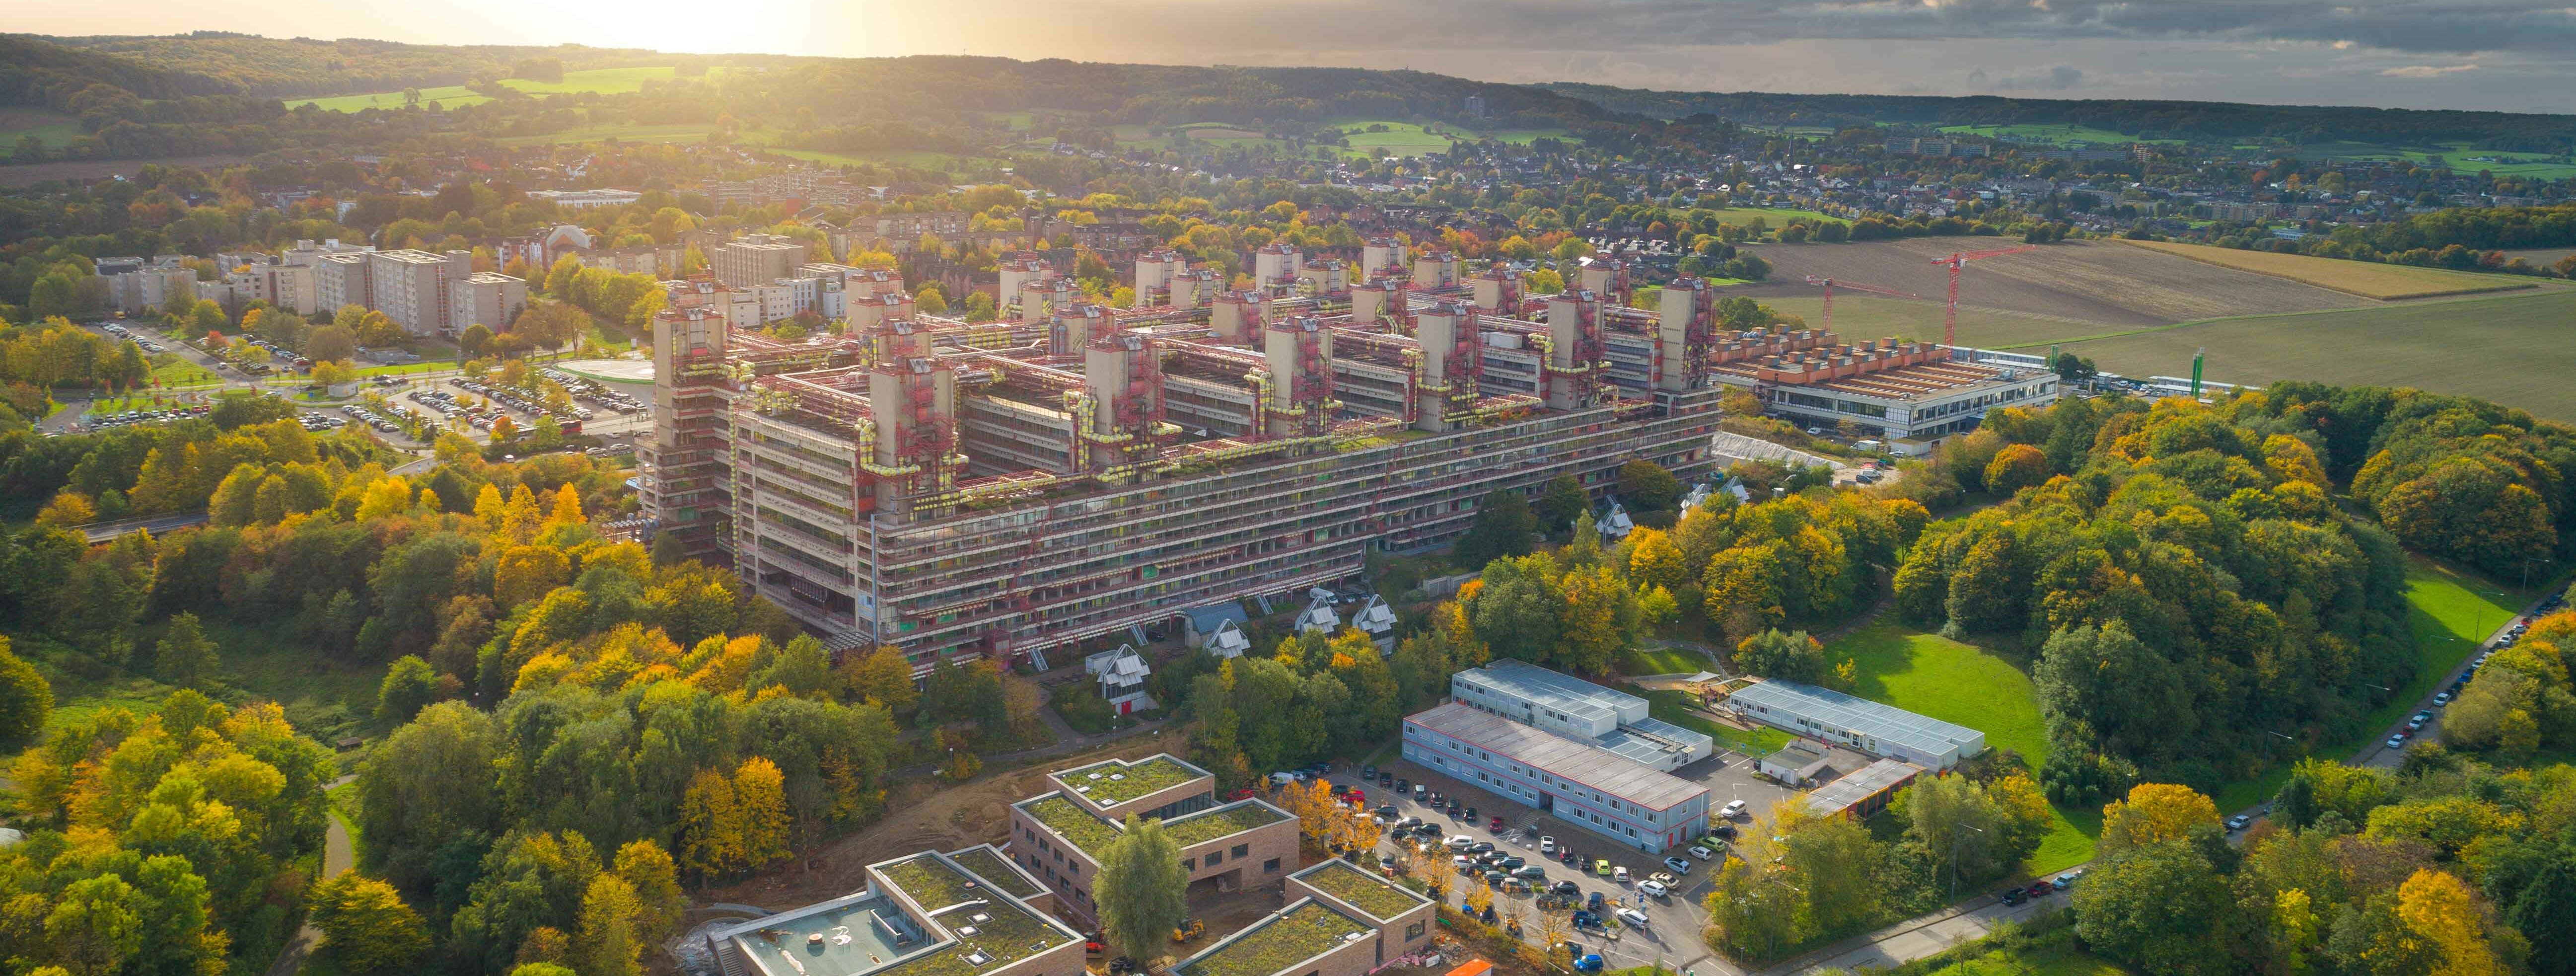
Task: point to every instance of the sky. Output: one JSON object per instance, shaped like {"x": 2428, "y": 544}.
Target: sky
{"x": 2509, "y": 55}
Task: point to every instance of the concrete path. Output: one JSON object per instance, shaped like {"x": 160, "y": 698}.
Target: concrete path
{"x": 337, "y": 856}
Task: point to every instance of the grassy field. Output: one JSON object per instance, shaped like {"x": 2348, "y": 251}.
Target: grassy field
{"x": 2456, "y": 155}
{"x": 1674, "y": 707}
{"x": 2385, "y": 282}
{"x": 603, "y": 81}
{"x": 1866, "y": 317}
{"x": 169, "y": 369}
{"x": 2450, "y": 612}
{"x": 1774, "y": 217}
{"x": 448, "y": 96}
{"x": 323, "y": 698}
{"x": 1932, "y": 675}
{"x": 2509, "y": 349}
{"x": 2055, "y": 135}
{"x": 2053, "y": 954}
{"x": 53, "y": 130}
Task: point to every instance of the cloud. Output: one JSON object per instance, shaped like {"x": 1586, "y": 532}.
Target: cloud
{"x": 2427, "y": 71}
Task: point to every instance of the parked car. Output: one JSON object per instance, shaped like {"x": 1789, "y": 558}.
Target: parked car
{"x": 1653, "y": 888}
{"x": 2441, "y": 699}
{"x": 1619, "y": 874}
{"x": 1601, "y": 867}
{"x": 2014, "y": 897}
{"x": 1402, "y": 785}
{"x": 1733, "y": 809}
{"x": 1678, "y": 865}
{"x": 2395, "y": 742}
{"x": 1459, "y": 842}
{"x": 2419, "y": 720}
{"x": 1589, "y": 962}
{"x": 2038, "y": 889}
{"x": 2065, "y": 881}
{"x": 1702, "y": 852}
{"x": 1495, "y": 824}
{"x": 1530, "y": 873}
{"x": 1547, "y": 845}
{"x": 1480, "y": 847}
{"x": 2240, "y": 822}
{"x": 1634, "y": 918}
{"x": 1586, "y": 920}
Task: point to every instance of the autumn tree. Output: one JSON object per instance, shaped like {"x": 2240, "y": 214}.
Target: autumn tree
{"x": 186, "y": 656}
{"x": 367, "y": 926}
{"x": 2014, "y": 468}
{"x": 2153, "y": 813}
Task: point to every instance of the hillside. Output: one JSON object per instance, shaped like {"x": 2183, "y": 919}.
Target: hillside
{"x": 306, "y": 66}
{"x": 38, "y": 71}
{"x": 2133, "y": 118}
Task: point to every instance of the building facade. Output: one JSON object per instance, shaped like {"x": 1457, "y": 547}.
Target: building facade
{"x": 756, "y": 259}
{"x": 1879, "y": 730}
{"x": 413, "y": 287}
{"x": 488, "y": 299}
{"x": 1632, "y": 804}
{"x": 1057, "y": 837}
{"x": 1615, "y": 721}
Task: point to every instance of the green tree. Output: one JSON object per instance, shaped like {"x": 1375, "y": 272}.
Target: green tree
{"x": 95, "y": 925}
{"x": 1645, "y": 486}
{"x": 883, "y": 676}
{"x": 331, "y": 343}
{"x": 1788, "y": 656}
{"x": 2014, "y": 468}
{"x": 1559, "y": 503}
{"x": 366, "y": 925}
{"x": 433, "y": 780}
{"x": 2159, "y": 908}
{"x": 186, "y": 656}
{"x": 409, "y": 686}
{"x": 26, "y": 698}
{"x": 2545, "y": 913}
{"x": 1140, "y": 888}
{"x": 1503, "y": 527}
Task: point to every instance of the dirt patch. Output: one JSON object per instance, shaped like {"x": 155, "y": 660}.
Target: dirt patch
{"x": 923, "y": 814}
{"x": 91, "y": 169}
{"x": 2078, "y": 282}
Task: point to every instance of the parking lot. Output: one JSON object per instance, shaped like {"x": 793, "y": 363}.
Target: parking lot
{"x": 1672, "y": 933}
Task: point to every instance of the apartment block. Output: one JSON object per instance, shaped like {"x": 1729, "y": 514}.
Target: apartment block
{"x": 344, "y": 278}
{"x": 489, "y": 299}
{"x": 292, "y": 287}
{"x": 756, "y": 259}
{"x": 134, "y": 286}
{"x": 412, "y": 287}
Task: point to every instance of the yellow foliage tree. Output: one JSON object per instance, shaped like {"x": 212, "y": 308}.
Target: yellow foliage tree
{"x": 2438, "y": 909}
{"x": 567, "y": 509}
{"x": 1654, "y": 560}
{"x": 526, "y": 573}
{"x": 760, "y": 792}
{"x": 2154, "y": 812}
{"x": 711, "y": 836}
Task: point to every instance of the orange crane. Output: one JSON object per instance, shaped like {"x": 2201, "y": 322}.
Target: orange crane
{"x": 1829, "y": 284}
{"x": 1950, "y": 319}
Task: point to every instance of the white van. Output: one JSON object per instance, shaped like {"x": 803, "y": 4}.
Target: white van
{"x": 1633, "y": 917}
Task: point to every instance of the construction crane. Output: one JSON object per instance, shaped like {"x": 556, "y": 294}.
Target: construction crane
{"x": 1950, "y": 319}
{"x": 1829, "y": 284}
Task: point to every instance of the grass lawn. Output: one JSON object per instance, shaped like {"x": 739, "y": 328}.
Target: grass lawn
{"x": 1875, "y": 317}
{"x": 1673, "y": 706}
{"x": 1661, "y": 660}
{"x": 2364, "y": 278}
{"x": 1935, "y": 676}
{"x": 449, "y": 96}
{"x": 2450, "y": 612}
{"x": 169, "y": 369}
{"x": 2054, "y": 954}
{"x": 406, "y": 369}
{"x": 604, "y": 81}
{"x": 2505, "y": 348}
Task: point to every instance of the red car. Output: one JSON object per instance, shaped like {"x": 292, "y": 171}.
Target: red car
{"x": 1496, "y": 824}
{"x": 1358, "y": 797}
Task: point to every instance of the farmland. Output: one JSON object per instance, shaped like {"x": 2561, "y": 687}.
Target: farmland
{"x": 602, "y": 81}
{"x": 2385, "y": 282}
{"x": 444, "y": 96}
{"x": 2508, "y": 348}
{"x": 2094, "y": 287}
{"x": 51, "y": 128}
{"x": 675, "y": 132}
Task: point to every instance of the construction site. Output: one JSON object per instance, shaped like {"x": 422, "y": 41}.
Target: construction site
{"x": 1009, "y": 488}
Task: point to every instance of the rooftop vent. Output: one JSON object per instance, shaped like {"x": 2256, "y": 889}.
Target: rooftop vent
{"x": 978, "y": 957}
{"x": 1117, "y": 776}
{"x": 979, "y": 918}
{"x": 965, "y": 931}
{"x": 1094, "y": 776}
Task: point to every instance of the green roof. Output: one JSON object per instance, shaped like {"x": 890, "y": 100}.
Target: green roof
{"x": 991, "y": 867}
{"x": 1362, "y": 890}
{"x": 1002, "y": 932}
{"x": 1079, "y": 827}
{"x": 1306, "y": 930}
{"x": 1115, "y": 781}
{"x": 1224, "y": 821}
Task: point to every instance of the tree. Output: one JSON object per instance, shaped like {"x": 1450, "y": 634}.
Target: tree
{"x": 2159, "y": 908}
{"x": 884, "y": 676}
{"x": 1140, "y": 888}
{"x": 1503, "y": 527}
{"x": 26, "y": 698}
{"x": 331, "y": 343}
{"x": 656, "y": 882}
{"x": 609, "y": 944}
{"x": 760, "y": 795}
{"x": 409, "y": 686}
{"x": 207, "y": 316}
{"x": 185, "y": 656}
{"x": 96, "y": 924}
{"x": 2154, "y": 813}
{"x": 2014, "y": 468}
{"x": 2546, "y": 914}
{"x": 367, "y": 926}
{"x": 1646, "y": 487}
{"x": 711, "y": 838}
{"x": 1559, "y": 503}
{"x": 1790, "y": 656}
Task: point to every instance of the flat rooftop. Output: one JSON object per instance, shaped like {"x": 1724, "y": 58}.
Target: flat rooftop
{"x": 1564, "y": 758}
{"x": 991, "y": 932}
{"x": 851, "y": 939}
{"x": 1651, "y": 740}
{"x": 1564, "y": 693}
{"x": 1871, "y": 780}
{"x": 1380, "y": 898}
{"x": 1786, "y": 701}
{"x": 1295, "y": 934}
{"x": 990, "y": 865}
{"x": 1090, "y": 832}
{"x": 1115, "y": 781}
